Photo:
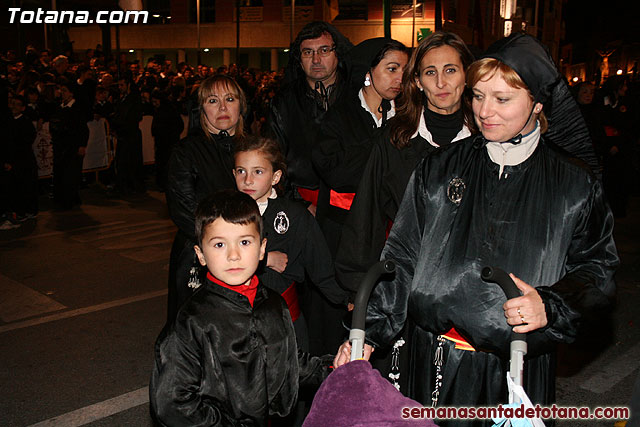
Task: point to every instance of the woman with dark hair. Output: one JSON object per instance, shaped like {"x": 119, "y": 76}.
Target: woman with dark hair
{"x": 339, "y": 159}
{"x": 506, "y": 198}
{"x": 201, "y": 164}
{"x": 430, "y": 112}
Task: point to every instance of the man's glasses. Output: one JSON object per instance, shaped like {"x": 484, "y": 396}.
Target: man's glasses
{"x": 322, "y": 51}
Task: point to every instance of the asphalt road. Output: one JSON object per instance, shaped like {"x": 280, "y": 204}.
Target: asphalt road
{"x": 83, "y": 297}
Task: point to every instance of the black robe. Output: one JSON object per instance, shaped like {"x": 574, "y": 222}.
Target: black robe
{"x": 379, "y": 194}
{"x": 546, "y": 221}
{"x": 198, "y": 167}
{"x": 226, "y": 363}
{"x": 295, "y": 121}
{"x": 344, "y": 145}
{"x": 290, "y": 228}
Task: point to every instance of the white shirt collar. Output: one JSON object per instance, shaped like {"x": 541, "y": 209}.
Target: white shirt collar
{"x": 363, "y": 104}
{"x": 424, "y": 132}
{"x": 263, "y": 205}
{"x": 508, "y": 154}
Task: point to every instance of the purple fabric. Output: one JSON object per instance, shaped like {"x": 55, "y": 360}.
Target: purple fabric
{"x": 354, "y": 395}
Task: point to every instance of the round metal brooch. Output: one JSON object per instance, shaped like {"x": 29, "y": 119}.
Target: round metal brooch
{"x": 456, "y": 190}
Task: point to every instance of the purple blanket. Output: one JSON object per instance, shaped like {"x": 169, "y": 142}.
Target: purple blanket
{"x": 354, "y": 395}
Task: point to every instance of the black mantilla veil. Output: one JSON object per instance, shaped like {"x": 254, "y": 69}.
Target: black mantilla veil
{"x": 531, "y": 60}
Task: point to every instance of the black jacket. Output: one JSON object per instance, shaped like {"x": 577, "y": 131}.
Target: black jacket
{"x": 545, "y": 220}
{"x": 226, "y": 363}
{"x": 295, "y": 120}
{"x": 198, "y": 167}
{"x": 68, "y": 129}
{"x": 290, "y": 228}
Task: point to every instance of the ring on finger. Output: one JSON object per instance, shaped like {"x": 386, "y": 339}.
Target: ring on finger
{"x": 522, "y": 319}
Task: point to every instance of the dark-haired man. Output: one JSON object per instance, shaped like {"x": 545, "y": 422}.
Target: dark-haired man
{"x": 316, "y": 79}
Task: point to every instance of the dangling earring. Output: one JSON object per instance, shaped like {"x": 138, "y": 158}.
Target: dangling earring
{"x": 367, "y": 80}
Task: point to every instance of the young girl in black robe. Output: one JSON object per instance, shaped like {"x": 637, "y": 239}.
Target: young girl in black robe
{"x": 295, "y": 244}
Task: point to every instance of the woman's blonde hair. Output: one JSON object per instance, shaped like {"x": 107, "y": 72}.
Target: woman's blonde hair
{"x": 221, "y": 83}
{"x": 486, "y": 68}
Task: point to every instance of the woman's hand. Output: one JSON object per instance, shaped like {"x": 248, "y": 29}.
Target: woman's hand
{"x": 277, "y": 261}
{"x": 526, "y": 313}
{"x": 344, "y": 354}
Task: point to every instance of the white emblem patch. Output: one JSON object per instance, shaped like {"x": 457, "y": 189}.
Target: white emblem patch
{"x": 281, "y": 223}
{"x": 456, "y": 190}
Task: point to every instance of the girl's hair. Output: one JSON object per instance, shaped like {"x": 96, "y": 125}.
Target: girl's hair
{"x": 270, "y": 149}
{"x": 486, "y": 68}
{"x": 410, "y": 103}
{"x": 221, "y": 83}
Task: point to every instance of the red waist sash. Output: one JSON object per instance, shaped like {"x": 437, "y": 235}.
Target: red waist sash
{"x": 291, "y": 298}
{"x": 341, "y": 200}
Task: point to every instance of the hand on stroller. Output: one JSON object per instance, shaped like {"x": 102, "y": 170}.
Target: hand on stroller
{"x": 344, "y": 354}
{"x": 527, "y": 313}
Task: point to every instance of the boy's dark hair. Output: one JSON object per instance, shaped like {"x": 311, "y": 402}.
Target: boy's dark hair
{"x": 270, "y": 148}
{"x": 232, "y": 206}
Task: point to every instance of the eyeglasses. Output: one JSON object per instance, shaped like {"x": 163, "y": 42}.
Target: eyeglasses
{"x": 322, "y": 51}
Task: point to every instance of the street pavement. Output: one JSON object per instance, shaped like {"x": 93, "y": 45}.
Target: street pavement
{"x": 83, "y": 297}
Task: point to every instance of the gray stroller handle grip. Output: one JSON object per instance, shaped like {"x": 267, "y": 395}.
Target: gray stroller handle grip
{"x": 362, "y": 297}
{"x": 357, "y": 333}
{"x": 502, "y": 279}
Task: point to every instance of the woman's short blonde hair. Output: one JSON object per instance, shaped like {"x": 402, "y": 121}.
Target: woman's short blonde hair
{"x": 221, "y": 83}
{"x": 485, "y": 68}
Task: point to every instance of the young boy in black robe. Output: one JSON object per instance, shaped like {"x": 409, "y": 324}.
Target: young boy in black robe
{"x": 230, "y": 357}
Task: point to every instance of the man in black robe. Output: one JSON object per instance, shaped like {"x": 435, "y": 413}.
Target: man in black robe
{"x": 315, "y": 80}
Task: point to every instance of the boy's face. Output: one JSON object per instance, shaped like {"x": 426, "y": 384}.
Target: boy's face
{"x": 231, "y": 252}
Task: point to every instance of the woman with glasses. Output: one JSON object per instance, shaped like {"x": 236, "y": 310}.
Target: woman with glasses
{"x": 201, "y": 164}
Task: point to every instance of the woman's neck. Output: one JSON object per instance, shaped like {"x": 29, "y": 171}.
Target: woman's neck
{"x": 373, "y": 100}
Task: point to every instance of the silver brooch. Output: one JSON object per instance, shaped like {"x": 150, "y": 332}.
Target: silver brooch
{"x": 281, "y": 223}
{"x": 456, "y": 190}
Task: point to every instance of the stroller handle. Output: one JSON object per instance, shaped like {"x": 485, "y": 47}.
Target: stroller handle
{"x": 502, "y": 279}
{"x": 356, "y": 335}
{"x": 362, "y": 297}
{"x": 518, "y": 340}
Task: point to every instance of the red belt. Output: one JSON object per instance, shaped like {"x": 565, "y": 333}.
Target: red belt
{"x": 341, "y": 200}
{"x": 461, "y": 343}
{"x": 309, "y": 195}
{"x": 291, "y": 298}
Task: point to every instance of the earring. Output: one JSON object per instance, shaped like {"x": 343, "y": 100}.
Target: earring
{"x": 367, "y": 80}
{"x": 421, "y": 90}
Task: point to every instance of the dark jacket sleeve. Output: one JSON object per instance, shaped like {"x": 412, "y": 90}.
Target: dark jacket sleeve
{"x": 364, "y": 232}
{"x": 318, "y": 262}
{"x": 584, "y": 294}
{"x": 174, "y": 390}
{"x": 387, "y": 308}
{"x": 313, "y": 369}
{"x": 181, "y": 192}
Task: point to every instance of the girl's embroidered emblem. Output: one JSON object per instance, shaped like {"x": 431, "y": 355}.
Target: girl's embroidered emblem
{"x": 456, "y": 190}
{"x": 281, "y": 223}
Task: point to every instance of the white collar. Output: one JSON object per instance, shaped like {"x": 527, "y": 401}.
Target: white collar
{"x": 68, "y": 104}
{"x": 363, "y": 104}
{"x": 508, "y": 154}
{"x": 17, "y": 117}
{"x": 424, "y": 132}
{"x": 263, "y": 205}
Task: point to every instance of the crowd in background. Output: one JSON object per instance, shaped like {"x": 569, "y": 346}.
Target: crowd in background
{"x": 158, "y": 88}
